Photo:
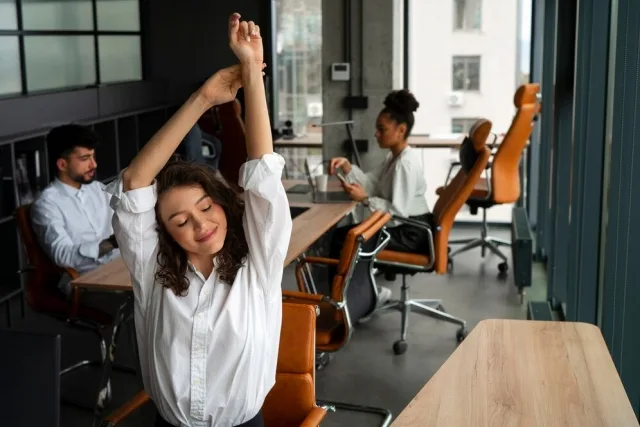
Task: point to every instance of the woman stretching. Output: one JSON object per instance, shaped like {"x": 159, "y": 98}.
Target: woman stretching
{"x": 206, "y": 263}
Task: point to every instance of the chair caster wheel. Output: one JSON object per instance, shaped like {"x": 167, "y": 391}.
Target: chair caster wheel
{"x": 461, "y": 334}
{"x": 399, "y": 347}
{"x": 503, "y": 267}
{"x": 450, "y": 265}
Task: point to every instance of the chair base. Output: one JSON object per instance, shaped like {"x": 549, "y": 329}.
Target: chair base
{"x": 333, "y": 406}
{"x": 429, "y": 307}
{"x": 484, "y": 241}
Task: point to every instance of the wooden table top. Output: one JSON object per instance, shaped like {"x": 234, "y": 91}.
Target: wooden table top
{"x": 524, "y": 373}
{"x": 314, "y": 139}
{"x": 308, "y": 227}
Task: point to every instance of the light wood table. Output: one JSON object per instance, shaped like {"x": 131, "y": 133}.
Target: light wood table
{"x": 314, "y": 140}
{"x": 524, "y": 373}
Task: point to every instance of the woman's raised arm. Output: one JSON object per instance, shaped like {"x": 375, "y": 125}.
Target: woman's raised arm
{"x": 218, "y": 89}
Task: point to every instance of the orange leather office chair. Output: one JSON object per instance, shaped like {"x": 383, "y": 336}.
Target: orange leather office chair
{"x": 292, "y": 400}
{"x": 503, "y": 185}
{"x": 232, "y": 136}
{"x": 354, "y": 294}
{"x": 474, "y": 155}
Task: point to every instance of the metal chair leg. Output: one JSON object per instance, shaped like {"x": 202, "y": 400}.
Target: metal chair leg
{"x": 383, "y": 412}
{"x": 484, "y": 242}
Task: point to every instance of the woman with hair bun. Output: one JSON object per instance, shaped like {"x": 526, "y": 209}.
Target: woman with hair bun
{"x": 397, "y": 185}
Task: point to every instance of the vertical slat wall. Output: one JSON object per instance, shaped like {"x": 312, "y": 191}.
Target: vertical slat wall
{"x": 620, "y": 285}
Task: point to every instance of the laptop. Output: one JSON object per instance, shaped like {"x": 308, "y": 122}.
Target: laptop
{"x": 324, "y": 197}
{"x": 30, "y": 372}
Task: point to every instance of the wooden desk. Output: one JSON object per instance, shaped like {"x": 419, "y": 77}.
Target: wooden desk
{"x": 524, "y": 373}
{"x": 307, "y": 228}
{"x": 310, "y": 140}
{"x": 314, "y": 140}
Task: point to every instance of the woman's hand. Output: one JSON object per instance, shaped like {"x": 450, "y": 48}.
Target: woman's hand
{"x": 339, "y": 162}
{"x": 223, "y": 86}
{"x": 355, "y": 191}
{"x": 245, "y": 40}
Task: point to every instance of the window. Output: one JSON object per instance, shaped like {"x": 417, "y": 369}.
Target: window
{"x": 467, "y": 14}
{"x": 466, "y": 51}
{"x": 61, "y": 44}
{"x": 466, "y": 73}
{"x": 462, "y": 125}
{"x": 297, "y": 84}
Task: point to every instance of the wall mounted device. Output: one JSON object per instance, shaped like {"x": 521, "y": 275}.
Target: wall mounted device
{"x": 340, "y": 72}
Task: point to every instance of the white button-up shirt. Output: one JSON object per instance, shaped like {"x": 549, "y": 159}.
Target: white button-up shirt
{"x": 209, "y": 358}
{"x": 396, "y": 186}
{"x": 70, "y": 224}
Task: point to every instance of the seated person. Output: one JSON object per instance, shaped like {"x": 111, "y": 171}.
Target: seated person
{"x": 397, "y": 185}
{"x": 72, "y": 216}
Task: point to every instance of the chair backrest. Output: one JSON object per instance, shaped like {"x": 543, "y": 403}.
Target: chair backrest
{"x": 232, "y": 136}
{"x": 474, "y": 156}
{"x": 293, "y": 396}
{"x": 44, "y": 275}
{"x": 352, "y": 283}
{"x": 505, "y": 175}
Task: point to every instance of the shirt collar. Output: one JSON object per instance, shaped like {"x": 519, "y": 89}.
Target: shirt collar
{"x": 67, "y": 189}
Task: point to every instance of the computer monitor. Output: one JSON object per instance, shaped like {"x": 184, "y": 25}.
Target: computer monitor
{"x": 30, "y": 379}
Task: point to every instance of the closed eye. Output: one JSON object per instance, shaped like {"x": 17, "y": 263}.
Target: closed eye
{"x": 183, "y": 223}
{"x": 206, "y": 209}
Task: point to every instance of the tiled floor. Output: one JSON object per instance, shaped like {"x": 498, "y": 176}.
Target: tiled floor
{"x": 366, "y": 372}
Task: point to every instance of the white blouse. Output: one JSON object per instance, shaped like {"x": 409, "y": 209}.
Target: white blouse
{"x": 396, "y": 186}
{"x": 209, "y": 358}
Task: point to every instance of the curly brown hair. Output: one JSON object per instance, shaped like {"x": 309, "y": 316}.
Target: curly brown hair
{"x": 172, "y": 259}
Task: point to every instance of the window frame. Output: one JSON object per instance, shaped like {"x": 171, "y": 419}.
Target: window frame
{"x": 466, "y": 61}
{"x": 21, "y": 33}
{"x": 467, "y": 21}
{"x": 470, "y": 121}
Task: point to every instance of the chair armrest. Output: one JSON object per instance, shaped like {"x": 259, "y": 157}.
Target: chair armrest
{"x": 314, "y": 418}
{"x": 125, "y": 410}
{"x": 319, "y": 260}
{"x": 413, "y": 222}
{"x": 308, "y": 298}
{"x": 72, "y": 273}
{"x": 311, "y": 260}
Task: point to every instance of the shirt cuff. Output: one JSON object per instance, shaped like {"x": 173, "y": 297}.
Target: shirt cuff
{"x": 90, "y": 250}
{"x": 253, "y": 172}
{"x": 135, "y": 201}
{"x": 378, "y": 203}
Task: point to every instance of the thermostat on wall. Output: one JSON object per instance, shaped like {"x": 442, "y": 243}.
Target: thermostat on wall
{"x": 340, "y": 72}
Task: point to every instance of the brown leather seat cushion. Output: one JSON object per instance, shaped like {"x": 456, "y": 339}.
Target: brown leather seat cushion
{"x": 328, "y": 327}
{"x": 403, "y": 257}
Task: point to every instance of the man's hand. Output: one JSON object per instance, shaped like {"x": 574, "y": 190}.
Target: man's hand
{"x": 245, "y": 40}
{"x": 355, "y": 191}
{"x": 107, "y": 245}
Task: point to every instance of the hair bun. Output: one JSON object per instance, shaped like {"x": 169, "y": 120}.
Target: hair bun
{"x": 402, "y": 101}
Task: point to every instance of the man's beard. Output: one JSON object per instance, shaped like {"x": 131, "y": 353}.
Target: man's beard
{"x": 80, "y": 179}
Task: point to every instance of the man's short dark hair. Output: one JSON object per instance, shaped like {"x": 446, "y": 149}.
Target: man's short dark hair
{"x": 63, "y": 140}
